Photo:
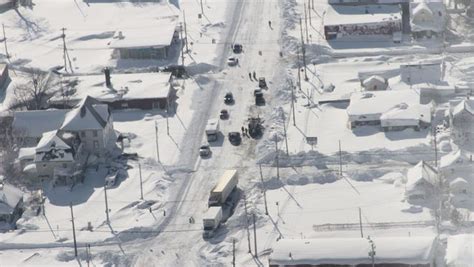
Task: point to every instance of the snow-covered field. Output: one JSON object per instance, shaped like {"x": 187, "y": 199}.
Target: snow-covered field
{"x": 317, "y": 191}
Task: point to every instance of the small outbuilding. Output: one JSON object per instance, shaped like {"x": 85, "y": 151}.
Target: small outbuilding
{"x": 421, "y": 182}
{"x": 390, "y": 251}
{"x": 375, "y": 83}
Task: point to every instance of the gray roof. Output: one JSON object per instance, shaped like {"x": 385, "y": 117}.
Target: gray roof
{"x": 37, "y": 122}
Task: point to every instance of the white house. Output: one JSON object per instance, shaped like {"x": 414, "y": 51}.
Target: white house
{"x": 417, "y": 251}
{"x": 11, "y": 205}
{"x": 392, "y": 110}
{"x": 456, "y": 163}
{"x": 92, "y": 121}
{"x": 59, "y": 156}
{"x": 427, "y": 18}
{"x": 461, "y": 119}
{"x": 421, "y": 182}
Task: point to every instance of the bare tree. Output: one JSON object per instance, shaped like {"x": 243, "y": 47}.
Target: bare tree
{"x": 34, "y": 93}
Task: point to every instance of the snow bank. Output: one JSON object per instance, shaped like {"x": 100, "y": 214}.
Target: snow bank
{"x": 460, "y": 252}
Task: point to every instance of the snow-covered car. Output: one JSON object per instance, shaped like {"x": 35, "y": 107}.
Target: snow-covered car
{"x": 224, "y": 115}
{"x": 232, "y": 61}
{"x": 205, "y": 150}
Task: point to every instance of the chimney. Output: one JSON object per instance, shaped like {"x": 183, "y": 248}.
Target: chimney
{"x": 107, "y": 77}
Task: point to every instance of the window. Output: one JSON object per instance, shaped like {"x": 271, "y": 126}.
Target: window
{"x": 94, "y": 133}
{"x": 83, "y": 134}
{"x": 96, "y": 145}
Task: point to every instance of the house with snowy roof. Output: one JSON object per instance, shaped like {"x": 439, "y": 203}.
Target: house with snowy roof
{"x": 456, "y": 163}
{"x": 154, "y": 40}
{"x": 92, "y": 121}
{"x": 391, "y": 110}
{"x": 461, "y": 119}
{"x": 427, "y": 18}
{"x": 421, "y": 182}
{"x": 390, "y": 251}
{"x": 421, "y": 72}
{"x": 59, "y": 156}
{"x": 11, "y": 205}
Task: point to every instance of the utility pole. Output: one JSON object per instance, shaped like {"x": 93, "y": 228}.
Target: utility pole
{"x": 299, "y": 70}
{"x": 5, "y": 41}
{"x": 309, "y": 12}
{"x": 106, "y": 205}
{"x": 141, "y": 182}
{"x": 435, "y": 148}
{"x": 167, "y": 124}
{"x": 73, "y": 230}
{"x": 340, "y": 160}
{"x": 202, "y": 9}
{"x": 277, "y": 158}
{"x": 185, "y": 31}
{"x": 63, "y": 36}
{"x": 312, "y": 1}
{"x": 306, "y": 22}
{"x": 293, "y": 101}
{"x": 286, "y": 137}
{"x": 182, "y": 46}
{"x": 87, "y": 254}
{"x": 372, "y": 251}
{"x": 247, "y": 222}
{"x": 360, "y": 223}
{"x": 255, "y": 235}
{"x": 263, "y": 189}
{"x": 233, "y": 252}
{"x": 303, "y": 51}
{"x": 156, "y": 140}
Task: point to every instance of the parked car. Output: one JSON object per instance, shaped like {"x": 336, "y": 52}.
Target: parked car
{"x": 205, "y": 150}
{"x": 259, "y": 100}
{"x": 262, "y": 83}
{"x": 224, "y": 114}
{"x": 229, "y": 98}
{"x": 237, "y": 48}
{"x": 232, "y": 61}
{"x": 234, "y": 138}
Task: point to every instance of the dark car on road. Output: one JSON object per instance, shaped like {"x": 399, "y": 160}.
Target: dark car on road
{"x": 224, "y": 115}
{"x": 237, "y": 48}
{"x": 229, "y": 98}
{"x": 262, "y": 83}
{"x": 234, "y": 138}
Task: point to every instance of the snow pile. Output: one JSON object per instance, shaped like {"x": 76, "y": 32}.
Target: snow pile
{"x": 353, "y": 251}
{"x": 460, "y": 251}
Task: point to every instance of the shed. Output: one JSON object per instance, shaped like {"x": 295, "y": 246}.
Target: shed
{"x": 399, "y": 251}
{"x": 375, "y": 83}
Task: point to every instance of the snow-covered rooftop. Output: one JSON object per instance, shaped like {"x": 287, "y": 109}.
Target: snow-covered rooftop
{"x": 455, "y": 157}
{"x": 35, "y": 123}
{"x": 428, "y": 15}
{"x": 460, "y": 251}
{"x": 397, "y": 104}
{"x": 124, "y": 86}
{"x": 404, "y": 115}
{"x": 353, "y": 251}
{"x": 90, "y": 115}
{"x": 464, "y": 105}
{"x": 9, "y": 198}
{"x": 420, "y": 172}
{"x": 52, "y": 148}
{"x": 141, "y": 37}
{"x": 340, "y": 15}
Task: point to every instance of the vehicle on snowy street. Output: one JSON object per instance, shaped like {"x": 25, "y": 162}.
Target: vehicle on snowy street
{"x": 259, "y": 100}
{"x": 205, "y": 150}
{"x": 262, "y": 83}
{"x": 212, "y": 130}
{"x": 237, "y": 48}
{"x": 227, "y": 183}
{"x": 224, "y": 114}
{"x": 211, "y": 221}
{"x": 232, "y": 61}
{"x": 229, "y": 98}
{"x": 234, "y": 138}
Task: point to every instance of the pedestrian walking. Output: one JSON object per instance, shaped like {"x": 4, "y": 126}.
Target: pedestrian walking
{"x": 243, "y": 130}
{"x": 270, "y": 23}
{"x": 250, "y": 76}
{"x": 247, "y": 132}
{"x": 254, "y": 75}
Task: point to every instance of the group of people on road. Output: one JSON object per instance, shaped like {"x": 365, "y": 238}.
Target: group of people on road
{"x": 254, "y": 75}
{"x": 245, "y": 131}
